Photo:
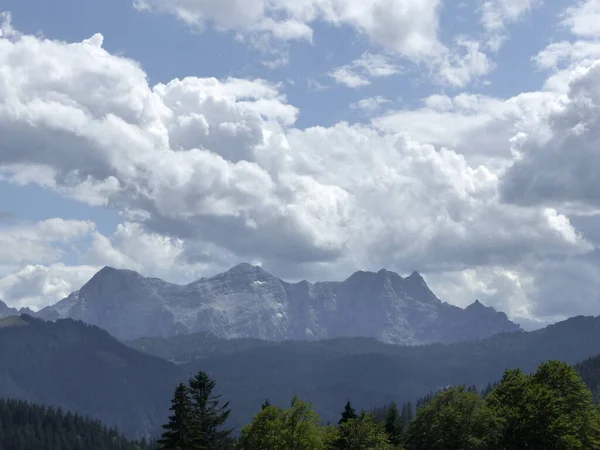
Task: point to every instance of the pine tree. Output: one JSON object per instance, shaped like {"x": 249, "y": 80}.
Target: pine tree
{"x": 266, "y": 404}
{"x": 409, "y": 410}
{"x": 178, "y": 432}
{"x": 208, "y": 416}
{"x": 348, "y": 414}
{"x": 394, "y": 425}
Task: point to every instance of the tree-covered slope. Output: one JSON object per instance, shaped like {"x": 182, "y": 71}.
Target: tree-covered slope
{"x": 329, "y": 372}
{"x": 83, "y": 369}
{"x": 26, "y": 426}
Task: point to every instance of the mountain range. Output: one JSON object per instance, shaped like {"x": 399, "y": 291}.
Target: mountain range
{"x": 6, "y": 311}
{"x": 247, "y": 301}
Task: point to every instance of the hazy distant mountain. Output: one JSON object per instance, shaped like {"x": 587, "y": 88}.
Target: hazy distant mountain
{"x": 368, "y": 372}
{"x": 246, "y": 301}
{"x": 83, "y": 369}
{"x": 6, "y": 311}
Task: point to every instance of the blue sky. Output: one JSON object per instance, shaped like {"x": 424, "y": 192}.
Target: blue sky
{"x": 339, "y": 135}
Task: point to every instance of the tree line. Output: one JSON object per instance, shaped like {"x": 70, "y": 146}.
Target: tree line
{"x": 24, "y": 426}
{"x": 550, "y": 409}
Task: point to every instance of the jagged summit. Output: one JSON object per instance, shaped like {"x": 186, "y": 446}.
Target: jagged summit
{"x": 478, "y": 305}
{"x": 6, "y": 310}
{"x": 416, "y": 276}
{"x": 245, "y": 268}
{"x": 111, "y": 271}
{"x": 247, "y": 301}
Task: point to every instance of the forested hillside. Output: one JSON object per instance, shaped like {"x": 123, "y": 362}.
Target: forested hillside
{"x": 550, "y": 409}
{"x": 25, "y": 426}
{"x": 85, "y": 370}
{"x": 326, "y": 372}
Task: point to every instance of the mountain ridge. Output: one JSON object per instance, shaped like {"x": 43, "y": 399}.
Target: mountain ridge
{"x": 81, "y": 368}
{"x": 248, "y": 301}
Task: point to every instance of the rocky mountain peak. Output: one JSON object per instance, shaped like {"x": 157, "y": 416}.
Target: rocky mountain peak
{"x": 416, "y": 276}
{"x": 246, "y": 268}
{"x": 5, "y": 310}
{"x": 111, "y": 278}
{"x": 477, "y": 305}
{"x": 247, "y": 301}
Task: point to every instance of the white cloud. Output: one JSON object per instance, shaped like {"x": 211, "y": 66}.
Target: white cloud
{"x": 344, "y": 75}
{"x": 584, "y": 19}
{"x": 562, "y": 171}
{"x": 6, "y": 29}
{"x": 370, "y": 104}
{"x": 37, "y": 286}
{"x": 579, "y": 52}
{"x": 40, "y": 242}
{"x": 360, "y": 72}
{"x": 209, "y": 172}
{"x": 481, "y": 128}
{"x": 464, "y": 63}
{"x": 496, "y": 14}
{"x": 408, "y": 27}
{"x": 505, "y": 288}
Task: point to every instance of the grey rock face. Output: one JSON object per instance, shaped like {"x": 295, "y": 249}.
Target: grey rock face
{"x": 246, "y": 301}
{"x": 5, "y": 310}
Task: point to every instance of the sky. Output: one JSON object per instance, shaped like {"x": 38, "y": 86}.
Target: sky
{"x": 316, "y": 138}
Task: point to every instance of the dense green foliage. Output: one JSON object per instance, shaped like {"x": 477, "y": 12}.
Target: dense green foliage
{"x": 454, "y": 420}
{"x": 590, "y": 374}
{"x": 296, "y": 428}
{"x": 197, "y": 419}
{"x": 362, "y": 433}
{"x": 24, "y": 426}
{"x": 550, "y": 409}
{"x": 84, "y": 370}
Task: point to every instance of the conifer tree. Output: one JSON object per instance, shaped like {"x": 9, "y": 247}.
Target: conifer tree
{"x": 178, "y": 432}
{"x": 348, "y": 414}
{"x": 208, "y": 416}
{"x": 394, "y": 425}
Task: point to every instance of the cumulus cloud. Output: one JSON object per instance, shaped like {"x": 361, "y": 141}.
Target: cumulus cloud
{"x": 208, "y": 172}
{"x": 562, "y": 170}
{"x": 560, "y": 54}
{"x": 406, "y": 26}
{"x": 584, "y": 18}
{"x": 39, "y": 242}
{"x": 37, "y": 286}
{"x": 409, "y": 28}
{"x": 481, "y": 128}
